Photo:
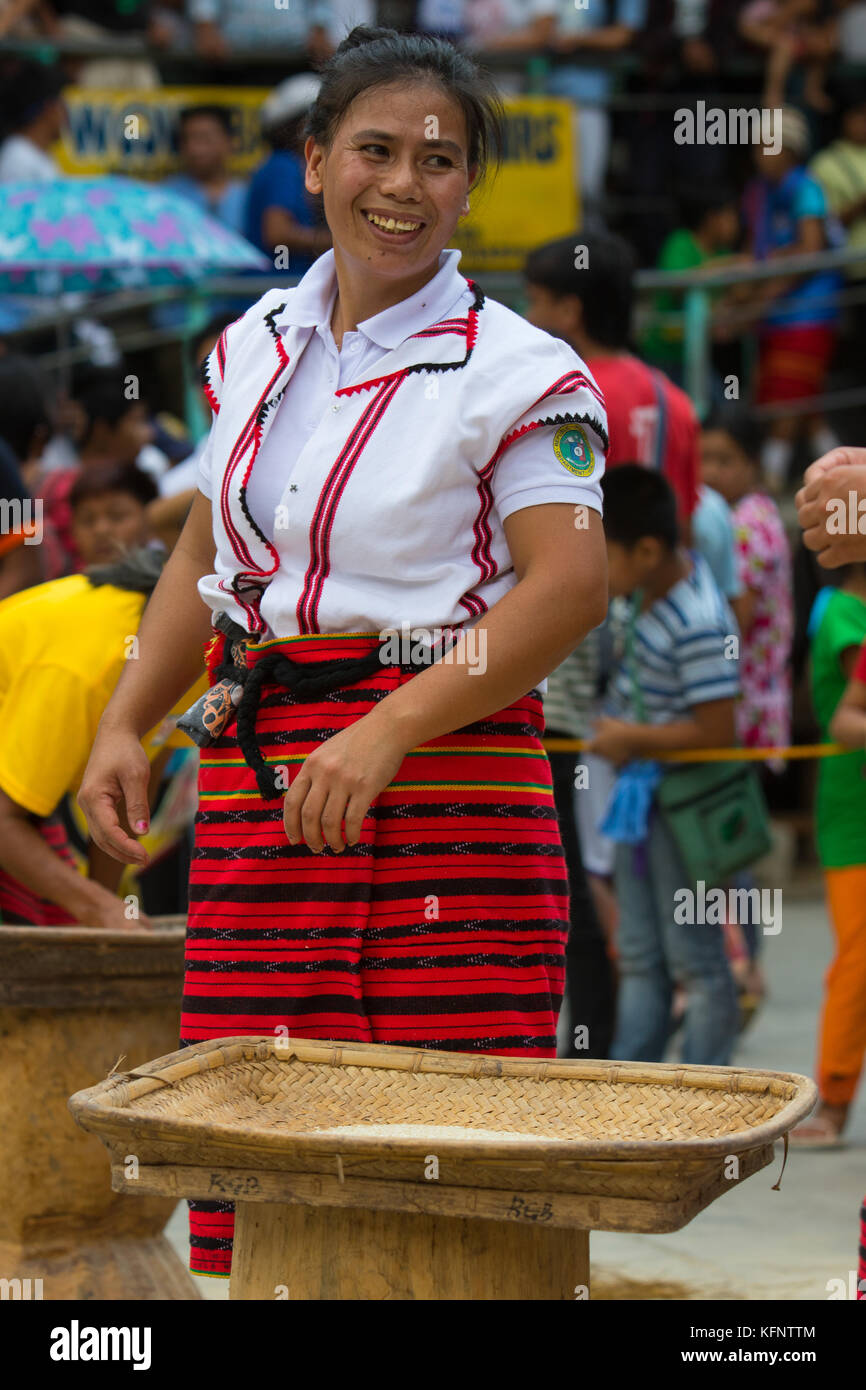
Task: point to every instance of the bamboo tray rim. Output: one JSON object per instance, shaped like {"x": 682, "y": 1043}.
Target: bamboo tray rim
{"x": 94, "y": 1109}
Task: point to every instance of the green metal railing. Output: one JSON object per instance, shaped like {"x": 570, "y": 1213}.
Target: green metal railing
{"x": 696, "y": 287}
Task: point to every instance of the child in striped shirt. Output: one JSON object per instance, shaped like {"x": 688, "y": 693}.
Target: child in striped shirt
{"x": 675, "y": 690}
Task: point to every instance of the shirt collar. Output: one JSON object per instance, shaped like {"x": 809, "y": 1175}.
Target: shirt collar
{"x": 311, "y": 304}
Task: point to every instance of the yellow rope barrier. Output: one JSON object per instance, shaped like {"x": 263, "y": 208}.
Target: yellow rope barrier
{"x": 715, "y": 755}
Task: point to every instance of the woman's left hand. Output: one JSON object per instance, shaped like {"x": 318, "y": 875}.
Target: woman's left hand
{"x": 338, "y": 782}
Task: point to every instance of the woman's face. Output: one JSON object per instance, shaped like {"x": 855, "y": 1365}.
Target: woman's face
{"x": 399, "y": 152}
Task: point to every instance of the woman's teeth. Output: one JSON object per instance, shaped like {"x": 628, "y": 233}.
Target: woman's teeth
{"x": 391, "y": 224}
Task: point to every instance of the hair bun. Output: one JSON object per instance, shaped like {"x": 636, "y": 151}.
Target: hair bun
{"x": 361, "y": 34}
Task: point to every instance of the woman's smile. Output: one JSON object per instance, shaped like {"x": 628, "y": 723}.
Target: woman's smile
{"x": 389, "y": 225}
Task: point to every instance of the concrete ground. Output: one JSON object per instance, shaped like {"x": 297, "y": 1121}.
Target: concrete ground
{"x": 752, "y": 1243}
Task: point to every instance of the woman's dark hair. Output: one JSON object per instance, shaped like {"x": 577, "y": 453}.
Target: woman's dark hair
{"x": 598, "y": 270}
{"x": 25, "y": 397}
{"x": 372, "y": 57}
{"x": 639, "y": 502}
{"x": 101, "y": 478}
{"x": 734, "y": 419}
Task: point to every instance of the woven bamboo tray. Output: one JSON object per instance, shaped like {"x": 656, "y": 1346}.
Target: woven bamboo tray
{"x": 614, "y": 1146}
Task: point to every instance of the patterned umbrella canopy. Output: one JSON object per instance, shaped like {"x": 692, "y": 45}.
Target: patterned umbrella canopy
{"x": 109, "y": 234}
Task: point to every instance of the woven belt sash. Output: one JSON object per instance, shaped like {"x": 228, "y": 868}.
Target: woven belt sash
{"x": 238, "y": 685}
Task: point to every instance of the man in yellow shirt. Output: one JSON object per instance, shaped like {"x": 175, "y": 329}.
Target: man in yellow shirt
{"x": 62, "y": 649}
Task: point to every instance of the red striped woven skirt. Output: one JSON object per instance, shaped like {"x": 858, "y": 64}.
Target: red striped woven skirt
{"x": 444, "y": 927}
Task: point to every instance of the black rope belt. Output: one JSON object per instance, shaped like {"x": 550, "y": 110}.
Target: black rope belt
{"x": 237, "y": 686}
{"x": 306, "y": 680}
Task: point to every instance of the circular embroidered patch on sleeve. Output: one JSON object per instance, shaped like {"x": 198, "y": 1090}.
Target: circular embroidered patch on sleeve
{"x": 573, "y": 449}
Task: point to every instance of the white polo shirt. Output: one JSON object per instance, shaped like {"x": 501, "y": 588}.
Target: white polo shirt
{"x": 363, "y": 489}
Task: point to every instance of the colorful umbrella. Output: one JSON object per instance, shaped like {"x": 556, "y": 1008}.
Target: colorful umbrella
{"x": 109, "y": 234}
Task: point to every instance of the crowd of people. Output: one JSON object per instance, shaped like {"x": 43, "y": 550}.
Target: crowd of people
{"x": 699, "y": 649}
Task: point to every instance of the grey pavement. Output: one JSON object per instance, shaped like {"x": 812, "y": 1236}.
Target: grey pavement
{"x": 752, "y": 1243}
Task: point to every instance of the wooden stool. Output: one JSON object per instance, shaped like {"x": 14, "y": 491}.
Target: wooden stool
{"x": 74, "y": 1001}
{"x": 370, "y": 1172}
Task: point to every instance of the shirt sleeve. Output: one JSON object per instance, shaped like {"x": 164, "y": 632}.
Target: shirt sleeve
{"x": 552, "y": 463}
{"x": 705, "y": 672}
{"x": 46, "y": 733}
{"x": 810, "y": 200}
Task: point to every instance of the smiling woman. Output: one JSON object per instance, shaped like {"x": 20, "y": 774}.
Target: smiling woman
{"x": 377, "y": 853}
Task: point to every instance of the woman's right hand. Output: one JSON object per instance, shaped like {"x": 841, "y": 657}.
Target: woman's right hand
{"x": 115, "y": 783}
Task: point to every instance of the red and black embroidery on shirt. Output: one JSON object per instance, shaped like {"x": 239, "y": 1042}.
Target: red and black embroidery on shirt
{"x": 249, "y": 584}
{"x": 466, "y": 328}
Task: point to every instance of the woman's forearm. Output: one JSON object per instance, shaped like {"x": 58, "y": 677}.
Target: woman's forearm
{"x": 524, "y": 637}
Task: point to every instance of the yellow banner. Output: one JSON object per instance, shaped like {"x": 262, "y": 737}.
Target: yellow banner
{"x": 531, "y": 200}
{"x": 113, "y": 132}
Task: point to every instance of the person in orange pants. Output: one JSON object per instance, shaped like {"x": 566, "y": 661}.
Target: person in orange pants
{"x": 826, "y": 483}
{"x": 837, "y": 627}
{"x": 843, "y": 1031}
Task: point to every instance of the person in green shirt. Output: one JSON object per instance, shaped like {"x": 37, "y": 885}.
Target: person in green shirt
{"x": 709, "y": 229}
{"x": 837, "y": 628}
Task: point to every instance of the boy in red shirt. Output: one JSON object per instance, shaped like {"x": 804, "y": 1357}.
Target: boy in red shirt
{"x": 580, "y": 289}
